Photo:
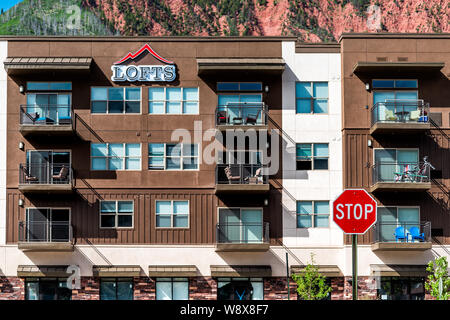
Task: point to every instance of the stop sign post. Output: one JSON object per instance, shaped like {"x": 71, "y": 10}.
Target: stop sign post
{"x": 355, "y": 211}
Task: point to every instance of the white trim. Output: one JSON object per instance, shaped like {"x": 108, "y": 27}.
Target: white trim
{"x": 172, "y": 215}
{"x": 182, "y": 101}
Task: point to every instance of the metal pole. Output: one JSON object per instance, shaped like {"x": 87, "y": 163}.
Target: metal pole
{"x": 287, "y": 276}
{"x": 354, "y": 267}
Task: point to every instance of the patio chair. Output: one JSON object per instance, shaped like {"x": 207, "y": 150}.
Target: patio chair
{"x": 401, "y": 234}
{"x": 62, "y": 175}
{"x": 414, "y": 115}
{"x": 28, "y": 176}
{"x": 416, "y": 235}
{"x": 229, "y": 175}
{"x": 252, "y": 118}
{"x": 390, "y": 116}
{"x": 29, "y": 118}
{"x": 223, "y": 117}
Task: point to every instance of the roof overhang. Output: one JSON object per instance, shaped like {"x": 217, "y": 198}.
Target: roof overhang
{"x": 326, "y": 270}
{"x": 398, "y": 270}
{"x": 42, "y": 271}
{"x": 396, "y": 68}
{"x": 33, "y": 65}
{"x": 172, "y": 271}
{"x": 241, "y": 271}
{"x": 211, "y": 66}
{"x": 116, "y": 271}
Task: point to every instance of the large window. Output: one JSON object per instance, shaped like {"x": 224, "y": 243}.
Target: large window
{"x": 312, "y": 156}
{"x": 49, "y": 86}
{"x": 172, "y": 289}
{"x": 115, "y": 156}
{"x": 115, "y": 100}
{"x": 173, "y": 100}
{"x": 394, "y": 84}
{"x": 116, "y": 214}
{"x": 116, "y": 289}
{"x": 46, "y": 225}
{"x": 164, "y": 156}
{"x": 47, "y": 289}
{"x": 172, "y": 214}
{"x": 239, "y": 86}
{"x": 240, "y": 289}
{"x": 241, "y": 225}
{"x": 313, "y": 214}
{"x": 311, "y": 97}
{"x": 391, "y": 218}
{"x": 396, "y": 165}
{"x": 401, "y": 288}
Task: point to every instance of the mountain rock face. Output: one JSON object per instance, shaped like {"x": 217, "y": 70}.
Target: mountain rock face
{"x": 311, "y": 20}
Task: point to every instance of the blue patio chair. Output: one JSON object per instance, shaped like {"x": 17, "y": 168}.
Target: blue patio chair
{"x": 415, "y": 234}
{"x": 401, "y": 234}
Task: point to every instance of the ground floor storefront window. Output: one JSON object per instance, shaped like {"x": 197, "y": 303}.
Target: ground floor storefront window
{"x": 172, "y": 289}
{"x": 116, "y": 289}
{"x": 47, "y": 289}
{"x": 240, "y": 289}
{"x": 401, "y": 288}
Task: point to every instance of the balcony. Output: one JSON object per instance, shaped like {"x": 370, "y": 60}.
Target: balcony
{"x": 400, "y": 177}
{"x": 238, "y": 178}
{"x": 241, "y": 116}
{"x": 45, "y": 236}
{"x": 242, "y": 237}
{"x": 45, "y": 178}
{"x": 392, "y": 236}
{"x": 396, "y": 116}
{"x": 46, "y": 119}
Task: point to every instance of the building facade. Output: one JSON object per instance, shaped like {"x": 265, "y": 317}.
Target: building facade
{"x": 94, "y": 181}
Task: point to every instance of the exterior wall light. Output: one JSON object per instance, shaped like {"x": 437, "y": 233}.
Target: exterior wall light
{"x": 369, "y": 143}
{"x": 21, "y": 202}
{"x": 368, "y": 86}
{"x": 266, "y": 202}
{"x": 21, "y": 145}
{"x": 266, "y": 89}
{"x": 21, "y": 89}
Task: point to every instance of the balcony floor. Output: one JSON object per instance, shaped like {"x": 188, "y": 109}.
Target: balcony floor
{"x": 242, "y": 247}
{"x": 46, "y": 188}
{"x": 399, "y": 127}
{"x": 400, "y": 186}
{"x": 242, "y": 188}
{"x": 401, "y": 246}
{"x": 45, "y": 246}
{"x": 27, "y": 130}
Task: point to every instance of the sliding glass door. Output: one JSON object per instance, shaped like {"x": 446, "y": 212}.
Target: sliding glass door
{"x": 240, "y": 225}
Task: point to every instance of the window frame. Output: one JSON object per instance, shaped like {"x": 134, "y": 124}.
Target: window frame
{"x": 313, "y": 157}
{"x": 239, "y": 85}
{"x": 108, "y": 157}
{"x": 312, "y": 215}
{"x": 312, "y": 99}
{"x": 172, "y": 280}
{"x": 124, "y": 101}
{"x": 396, "y": 153}
{"x": 182, "y": 101}
{"x": 394, "y": 88}
{"x": 115, "y": 282}
{"x": 172, "y": 214}
{"x": 181, "y": 157}
{"x": 115, "y": 214}
{"x": 51, "y": 90}
{"x": 405, "y": 207}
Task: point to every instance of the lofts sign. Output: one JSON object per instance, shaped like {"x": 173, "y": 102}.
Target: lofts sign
{"x": 122, "y": 71}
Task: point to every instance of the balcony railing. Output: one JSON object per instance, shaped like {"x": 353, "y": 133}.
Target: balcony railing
{"x": 401, "y": 111}
{"x": 412, "y": 172}
{"x": 240, "y": 174}
{"x": 241, "y": 114}
{"x": 45, "y": 231}
{"x": 242, "y": 233}
{"x": 45, "y": 174}
{"x": 46, "y": 115}
{"x": 402, "y": 232}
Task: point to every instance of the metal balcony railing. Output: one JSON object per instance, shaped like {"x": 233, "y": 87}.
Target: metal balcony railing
{"x": 417, "y": 172}
{"x": 242, "y": 232}
{"x": 401, "y": 111}
{"x": 247, "y": 114}
{"x": 61, "y": 115}
{"x": 402, "y": 232}
{"x": 50, "y": 173}
{"x": 45, "y": 231}
{"x": 240, "y": 174}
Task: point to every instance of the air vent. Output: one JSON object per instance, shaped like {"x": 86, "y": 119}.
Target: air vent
{"x": 381, "y": 59}
{"x": 402, "y": 59}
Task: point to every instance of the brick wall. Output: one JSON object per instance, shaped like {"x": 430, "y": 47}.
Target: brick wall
{"x": 12, "y": 288}
{"x": 202, "y": 288}
{"x": 144, "y": 288}
{"x": 90, "y": 289}
{"x": 276, "y": 289}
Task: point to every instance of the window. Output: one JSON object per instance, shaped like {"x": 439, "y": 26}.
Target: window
{"x": 164, "y": 156}
{"x": 241, "y": 225}
{"x": 311, "y": 97}
{"x": 312, "y": 156}
{"x": 172, "y": 289}
{"x": 239, "y": 86}
{"x": 396, "y": 165}
{"x": 313, "y": 214}
{"x": 47, "y": 289}
{"x": 389, "y": 84}
{"x": 173, "y": 100}
{"x": 115, "y": 100}
{"x": 49, "y": 86}
{"x": 116, "y": 289}
{"x": 115, "y": 156}
{"x": 46, "y": 225}
{"x": 240, "y": 289}
{"x": 172, "y": 214}
{"x": 116, "y": 214}
{"x": 401, "y": 288}
{"x": 390, "y": 218}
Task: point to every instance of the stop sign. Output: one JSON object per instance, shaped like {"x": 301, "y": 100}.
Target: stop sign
{"x": 355, "y": 211}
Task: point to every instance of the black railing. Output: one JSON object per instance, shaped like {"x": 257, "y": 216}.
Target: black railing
{"x": 400, "y": 172}
{"x": 243, "y": 232}
{"x": 240, "y": 174}
{"x": 241, "y": 114}
{"x": 50, "y": 173}
{"x": 401, "y": 111}
{"x": 45, "y": 231}
{"x": 402, "y": 232}
{"x": 61, "y": 115}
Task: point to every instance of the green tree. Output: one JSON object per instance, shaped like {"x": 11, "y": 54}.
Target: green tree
{"x": 438, "y": 282}
{"x": 311, "y": 285}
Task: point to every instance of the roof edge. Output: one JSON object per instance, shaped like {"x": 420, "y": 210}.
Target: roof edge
{"x": 393, "y": 35}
